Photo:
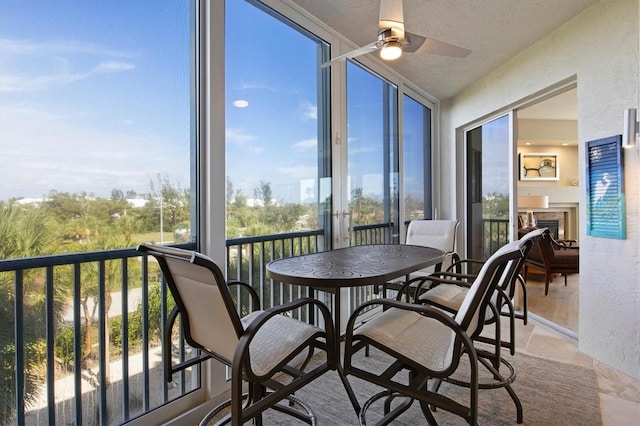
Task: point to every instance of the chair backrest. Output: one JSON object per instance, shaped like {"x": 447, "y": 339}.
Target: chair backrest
{"x": 497, "y": 270}
{"x": 210, "y": 320}
{"x": 543, "y": 251}
{"x": 512, "y": 271}
{"x": 533, "y": 235}
{"x": 440, "y": 234}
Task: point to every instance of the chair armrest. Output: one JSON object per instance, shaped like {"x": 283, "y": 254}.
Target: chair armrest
{"x": 255, "y": 299}
{"x": 452, "y": 255}
{"x": 562, "y": 244}
{"x": 454, "y": 275}
{"x": 461, "y": 262}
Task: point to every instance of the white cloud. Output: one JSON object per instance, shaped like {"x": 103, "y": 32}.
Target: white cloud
{"x": 299, "y": 172}
{"x": 72, "y": 157}
{"x": 56, "y": 47}
{"x": 309, "y": 112}
{"x": 254, "y": 86}
{"x": 27, "y": 66}
{"x": 238, "y": 137}
{"x": 244, "y": 141}
{"x": 361, "y": 150}
{"x": 112, "y": 66}
{"x": 305, "y": 144}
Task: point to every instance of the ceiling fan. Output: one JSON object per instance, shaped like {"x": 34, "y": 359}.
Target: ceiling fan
{"x": 393, "y": 40}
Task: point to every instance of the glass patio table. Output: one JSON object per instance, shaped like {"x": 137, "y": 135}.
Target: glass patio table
{"x": 332, "y": 270}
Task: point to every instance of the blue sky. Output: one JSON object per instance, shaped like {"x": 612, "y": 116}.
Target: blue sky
{"x": 95, "y": 96}
{"x": 274, "y": 137}
{"x": 92, "y": 96}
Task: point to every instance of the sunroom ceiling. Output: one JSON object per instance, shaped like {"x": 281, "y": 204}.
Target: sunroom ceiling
{"x": 494, "y": 30}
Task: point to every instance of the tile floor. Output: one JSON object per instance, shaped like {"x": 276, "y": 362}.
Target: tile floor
{"x": 560, "y": 306}
{"x": 619, "y": 394}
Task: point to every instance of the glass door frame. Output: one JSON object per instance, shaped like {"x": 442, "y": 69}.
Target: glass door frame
{"x": 341, "y": 216}
{"x": 512, "y": 175}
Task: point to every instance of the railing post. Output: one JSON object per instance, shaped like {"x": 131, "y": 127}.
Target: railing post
{"x": 19, "y": 349}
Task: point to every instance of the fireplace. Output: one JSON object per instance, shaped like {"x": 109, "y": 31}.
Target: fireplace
{"x": 555, "y": 221}
{"x": 553, "y": 226}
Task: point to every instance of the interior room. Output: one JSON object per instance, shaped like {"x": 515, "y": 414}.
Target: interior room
{"x": 551, "y": 127}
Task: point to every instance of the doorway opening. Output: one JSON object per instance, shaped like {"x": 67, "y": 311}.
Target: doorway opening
{"x": 548, "y": 131}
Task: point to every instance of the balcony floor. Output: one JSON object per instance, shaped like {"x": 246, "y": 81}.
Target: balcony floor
{"x": 619, "y": 394}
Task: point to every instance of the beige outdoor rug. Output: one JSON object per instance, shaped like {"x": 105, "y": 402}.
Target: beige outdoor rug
{"x": 551, "y": 393}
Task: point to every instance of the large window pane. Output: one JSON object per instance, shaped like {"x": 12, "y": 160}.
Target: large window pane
{"x": 96, "y": 147}
{"x": 416, "y": 160}
{"x": 488, "y": 163}
{"x": 372, "y": 148}
{"x": 95, "y": 119}
{"x": 276, "y": 138}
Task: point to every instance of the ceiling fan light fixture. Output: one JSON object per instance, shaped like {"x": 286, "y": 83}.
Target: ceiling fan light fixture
{"x": 390, "y": 50}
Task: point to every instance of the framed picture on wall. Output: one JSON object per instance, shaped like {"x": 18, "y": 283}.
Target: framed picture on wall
{"x": 606, "y": 213}
{"x": 539, "y": 166}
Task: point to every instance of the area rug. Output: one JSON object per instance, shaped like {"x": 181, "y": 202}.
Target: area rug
{"x": 551, "y": 393}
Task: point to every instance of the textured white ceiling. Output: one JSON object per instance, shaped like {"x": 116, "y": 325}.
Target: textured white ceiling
{"x": 494, "y": 30}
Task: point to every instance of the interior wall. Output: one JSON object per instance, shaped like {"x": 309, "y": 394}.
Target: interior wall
{"x": 608, "y": 82}
{"x": 568, "y": 165}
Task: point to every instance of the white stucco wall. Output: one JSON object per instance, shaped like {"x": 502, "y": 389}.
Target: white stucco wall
{"x": 599, "y": 48}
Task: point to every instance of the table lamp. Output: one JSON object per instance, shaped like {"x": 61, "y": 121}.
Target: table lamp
{"x": 530, "y": 202}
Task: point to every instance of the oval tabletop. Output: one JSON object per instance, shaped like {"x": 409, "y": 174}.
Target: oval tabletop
{"x": 353, "y": 266}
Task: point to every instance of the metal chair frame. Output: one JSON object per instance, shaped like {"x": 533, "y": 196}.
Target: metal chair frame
{"x": 466, "y": 324}
{"x": 184, "y": 269}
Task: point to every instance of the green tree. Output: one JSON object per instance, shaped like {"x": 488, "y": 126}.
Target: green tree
{"x": 89, "y": 299}
{"x": 23, "y": 232}
{"x": 264, "y": 193}
{"x": 168, "y": 204}
{"x": 495, "y": 206}
{"x": 365, "y": 210}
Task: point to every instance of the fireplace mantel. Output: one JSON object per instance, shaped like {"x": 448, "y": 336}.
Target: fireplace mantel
{"x": 563, "y": 206}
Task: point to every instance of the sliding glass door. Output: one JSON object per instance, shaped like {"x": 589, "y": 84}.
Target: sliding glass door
{"x": 372, "y": 157}
{"x": 416, "y": 160}
{"x": 489, "y": 185}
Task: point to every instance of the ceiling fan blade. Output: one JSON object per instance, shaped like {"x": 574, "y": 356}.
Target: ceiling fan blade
{"x": 392, "y": 16}
{"x": 434, "y": 47}
{"x": 412, "y": 42}
{"x": 371, "y": 47}
{"x": 391, "y": 10}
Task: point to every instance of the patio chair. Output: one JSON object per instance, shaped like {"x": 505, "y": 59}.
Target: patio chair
{"x": 429, "y": 344}
{"x": 440, "y": 234}
{"x": 448, "y": 289}
{"x": 553, "y": 258}
{"x": 265, "y": 349}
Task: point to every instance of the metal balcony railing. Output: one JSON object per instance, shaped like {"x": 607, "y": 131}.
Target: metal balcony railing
{"x": 495, "y": 235}
{"x": 60, "y": 377}
{"x": 85, "y": 346}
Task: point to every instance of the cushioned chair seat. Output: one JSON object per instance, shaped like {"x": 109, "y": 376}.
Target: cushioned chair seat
{"x": 404, "y": 330}
{"x": 448, "y": 296}
{"x": 275, "y": 341}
